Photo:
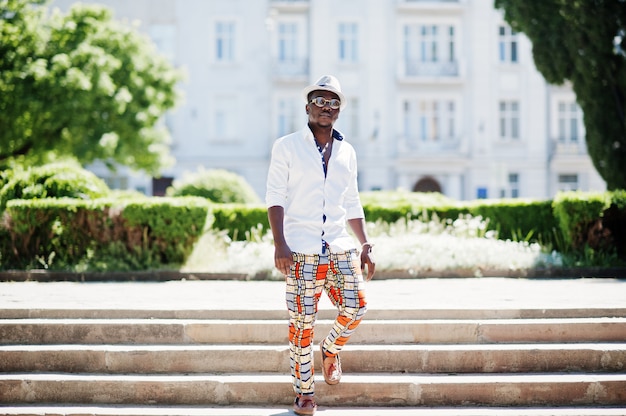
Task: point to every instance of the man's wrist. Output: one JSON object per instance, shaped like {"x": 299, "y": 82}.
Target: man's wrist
{"x": 367, "y": 244}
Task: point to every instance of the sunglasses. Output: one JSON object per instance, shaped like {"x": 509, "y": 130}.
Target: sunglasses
{"x": 334, "y": 103}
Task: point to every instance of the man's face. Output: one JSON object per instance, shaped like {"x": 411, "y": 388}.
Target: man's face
{"x": 322, "y": 116}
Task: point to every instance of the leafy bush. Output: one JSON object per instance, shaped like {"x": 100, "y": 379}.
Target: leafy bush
{"x": 517, "y": 219}
{"x": 55, "y": 180}
{"x": 239, "y": 219}
{"x": 218, "y": 185}
{"x": 105, "y": 234}
{"x": 513, "y": 219}
{"x": 576, "y": 212}
{"x": 593, "y": 226}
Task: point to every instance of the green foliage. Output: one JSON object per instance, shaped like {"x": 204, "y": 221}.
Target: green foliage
{"x": 101, "y": 235}
{"x": 513, "y": 219}
{"x": 56, "y": 180}
{"x": 240, "y": 219}
{"x": 218, "y": 185}
{"x": 593, "y": 226}
{"x": 122, "y": 233}
{"x": 80, "y": 84}
{"x": 575, "y": 212}
{"x": 401, "y": 197}
{"x": 517, "y": 219}
{"x": 574, "y": 41}
{"x": 168, "y": 226}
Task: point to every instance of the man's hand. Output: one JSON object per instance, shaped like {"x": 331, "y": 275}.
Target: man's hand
{"x": 367, "y": 259}
{"x": 283, "y": 260}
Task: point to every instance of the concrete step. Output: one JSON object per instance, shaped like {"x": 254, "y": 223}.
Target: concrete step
{"x": 142, "y": 359}
{"x": 407, "y": 331}
{"x": 47, "y": 410}
{"x": 269, "y": 314}
{"x": 383, "y": 389}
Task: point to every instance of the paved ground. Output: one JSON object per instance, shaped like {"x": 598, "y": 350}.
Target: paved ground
{"x": 418, "y": 294}
{"x": 431, "y": 293}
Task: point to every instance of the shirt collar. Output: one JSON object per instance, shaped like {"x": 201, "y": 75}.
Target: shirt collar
{"x": 337, "y": 135}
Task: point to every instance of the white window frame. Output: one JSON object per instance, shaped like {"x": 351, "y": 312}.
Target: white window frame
{"x": 508, "y": 45}
{"x": 570, "y": 126}
{"x": 509, "y": 120}
{"x": 348, "y": 42}
{"x": 429, "y": 120}
{"x": 289, "y": 115}
{"x": 349, "y": 121}
{"x": 224, "y": 118}
{"x": 565, "y": 182}
{"x": 225, "y": 40}
{"x": 429, "y": 48}
{"x": 513, "y": 186}
{"x": 289, "y": 46}
{"x": 422, "y": 42}
{"x": 164, "y": 37}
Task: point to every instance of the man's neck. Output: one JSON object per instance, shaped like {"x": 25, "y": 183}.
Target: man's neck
{"x": 323, "y": 134}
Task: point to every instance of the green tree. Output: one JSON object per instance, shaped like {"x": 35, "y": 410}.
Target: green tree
{"x": 584, "y": 42}
{"x": 81, "y": 84}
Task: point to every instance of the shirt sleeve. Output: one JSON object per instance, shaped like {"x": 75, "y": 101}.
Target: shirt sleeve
{"x": 354, "y": 208}
{"x": 278, "y": 175}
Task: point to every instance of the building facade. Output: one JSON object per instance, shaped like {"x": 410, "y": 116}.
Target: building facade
{"x": 442, "y": 94}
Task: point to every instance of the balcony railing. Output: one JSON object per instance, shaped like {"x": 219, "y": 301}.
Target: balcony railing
{"x": 431, "y": 69}
{"x": 293, "y": 68}
{"x": 410, "y": 146}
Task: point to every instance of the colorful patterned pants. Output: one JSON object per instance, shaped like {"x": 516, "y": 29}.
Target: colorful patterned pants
{"x": 339, "y": 274}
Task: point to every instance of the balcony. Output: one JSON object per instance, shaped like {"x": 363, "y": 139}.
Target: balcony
{"x": 411, "y": 147}
{"x": 569, "y": 147}
{"x": 296, "y": 69}
{"x": 290, "y": 5}
{"x": 419, "y": 71}
{"x": 432, "y": 5}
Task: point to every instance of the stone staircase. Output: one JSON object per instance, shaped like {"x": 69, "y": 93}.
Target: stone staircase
{"x": 417, "y": 362}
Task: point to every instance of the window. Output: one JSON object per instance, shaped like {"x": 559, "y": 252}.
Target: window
{"x": 164, "y": 37}
{"x": 429, "y": 49}
{"x": 509, "y": 120}
{"x": 428, "y": 43}
{"x": 348, "y": 42}
{"x": 512, "y": 191}
{"x": 287, "y": 120}
{"x": 568, "y": 182}
{"x": 287, "y": 42}
{"x": 569, "y": 122}
{"x": 507, "y": 44}
{"x": 429, "y": 120}
{"x": 290, "y": 48}
{"x": 225, "y": 41}
{"x": 451, "y": 53}
{"x": 348, "y": 122}
{"x": 160, "y": 185}
{"x": 225, "y": 122}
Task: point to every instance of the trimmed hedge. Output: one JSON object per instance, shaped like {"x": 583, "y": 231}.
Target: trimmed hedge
{"x": 65, "y": 233}
{"x": 595, "y": 221}
{"x": 150, "y": 233}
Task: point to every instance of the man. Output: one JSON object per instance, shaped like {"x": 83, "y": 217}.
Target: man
{"x": 312, "y": 196}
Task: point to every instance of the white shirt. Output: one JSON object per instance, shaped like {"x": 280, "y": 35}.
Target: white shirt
{"x": 296, "y": 182}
